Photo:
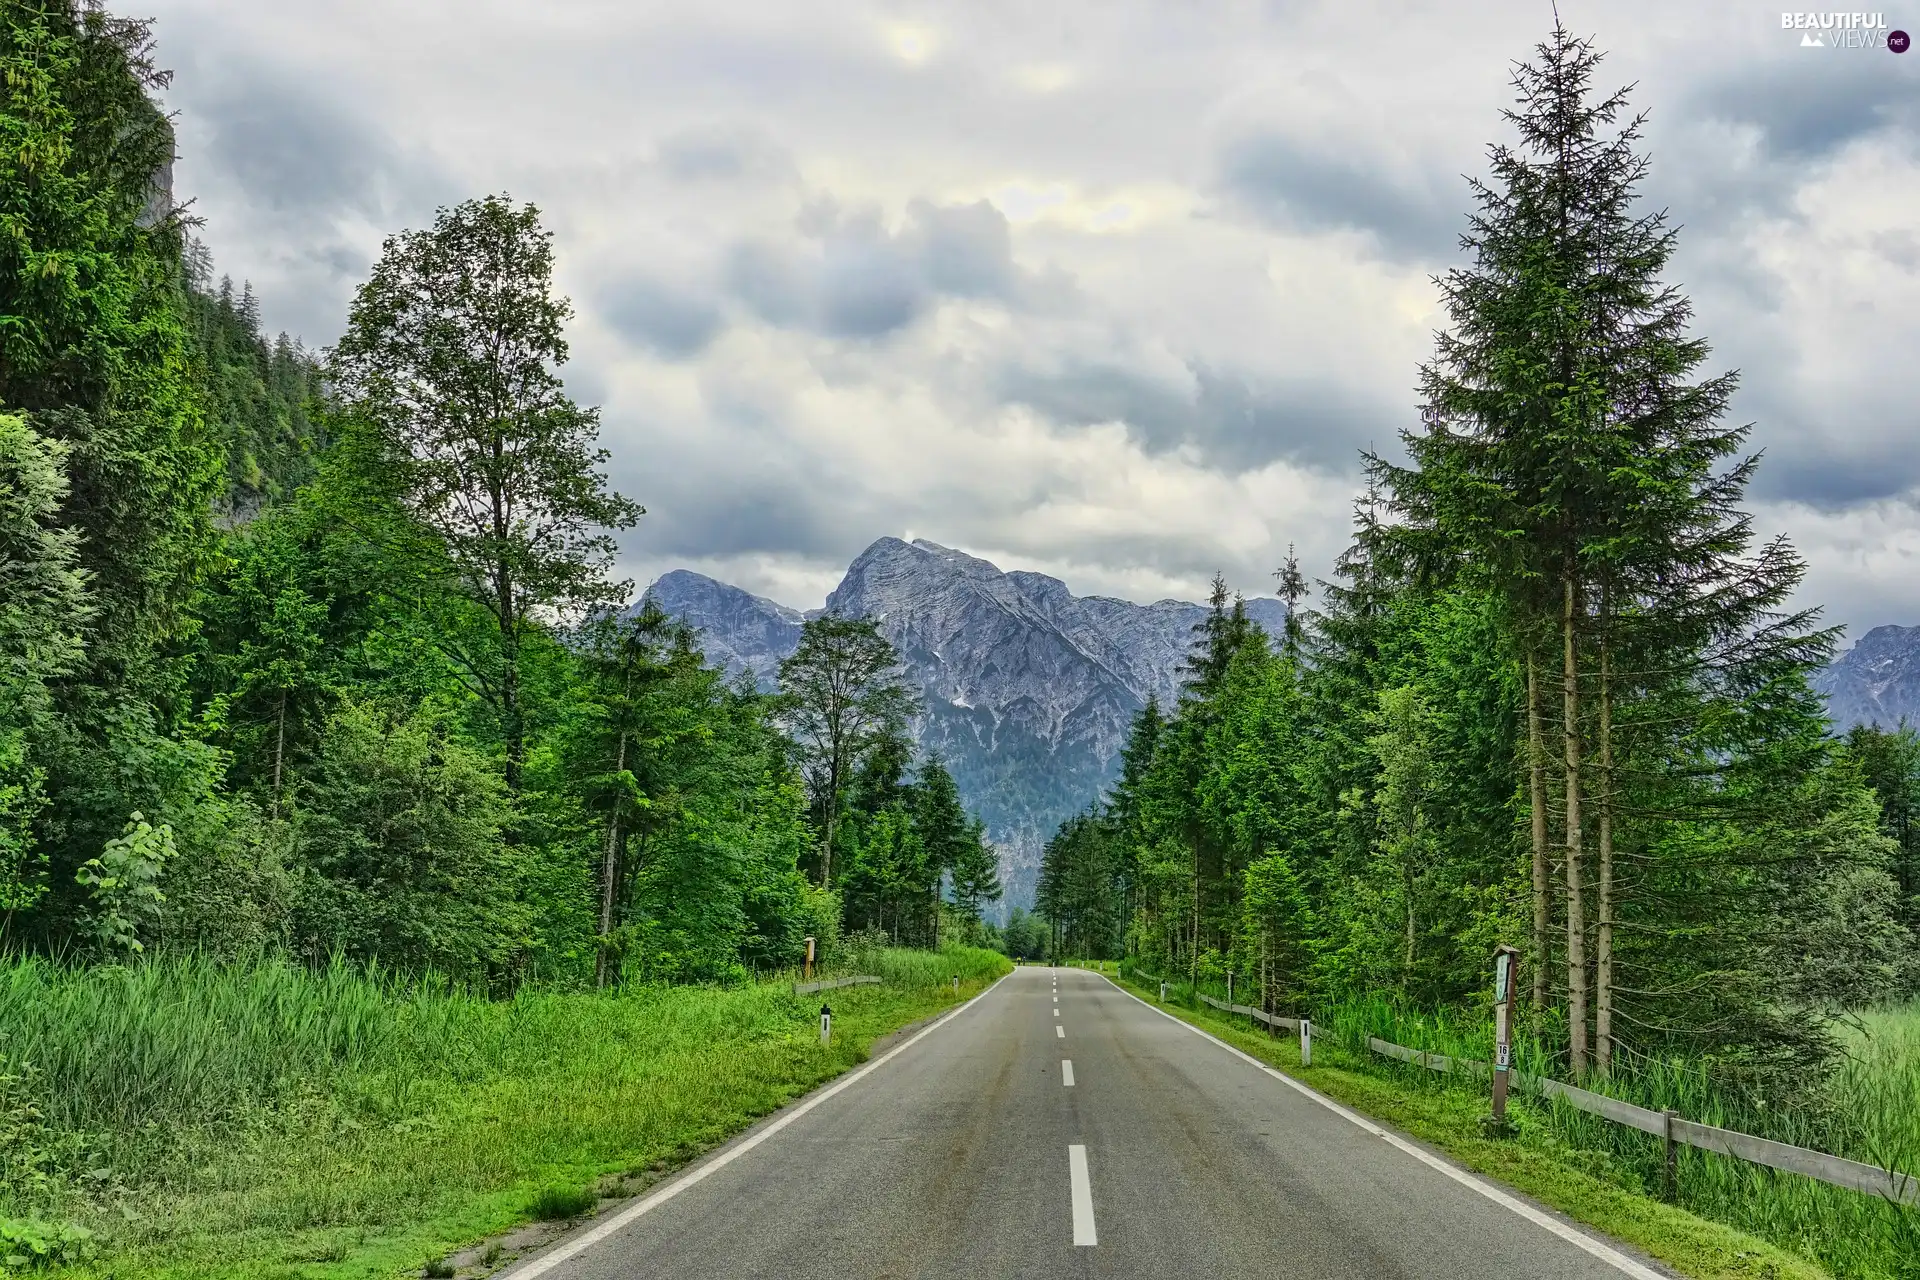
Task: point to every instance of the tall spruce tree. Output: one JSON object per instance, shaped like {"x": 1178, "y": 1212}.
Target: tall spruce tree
{"x": 1569, "y": 451}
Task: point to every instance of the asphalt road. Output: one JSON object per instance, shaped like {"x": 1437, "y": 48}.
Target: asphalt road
{"x": 1057, "y": 1126}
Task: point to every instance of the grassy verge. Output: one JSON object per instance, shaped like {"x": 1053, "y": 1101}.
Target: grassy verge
{"x": 1584, "y": 1185}
{"x": 400, "y": 1125}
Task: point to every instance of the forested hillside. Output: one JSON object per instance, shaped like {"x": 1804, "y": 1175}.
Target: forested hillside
{"x": 320, "y": 652}
{"x": 1554, "y": 694}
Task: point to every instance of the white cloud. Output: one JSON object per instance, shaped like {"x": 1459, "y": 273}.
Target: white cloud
{"x": 1110, "y": 292}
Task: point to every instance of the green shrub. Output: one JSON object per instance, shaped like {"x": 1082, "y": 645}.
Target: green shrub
{"x": 558, "y": 1202}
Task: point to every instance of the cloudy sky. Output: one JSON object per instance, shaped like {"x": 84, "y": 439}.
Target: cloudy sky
{"x": 1113, "y": 291}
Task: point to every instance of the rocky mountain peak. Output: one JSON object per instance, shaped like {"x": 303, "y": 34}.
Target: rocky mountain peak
{"x": 1875, "y": 682}
{"x": 1028, "y": 689}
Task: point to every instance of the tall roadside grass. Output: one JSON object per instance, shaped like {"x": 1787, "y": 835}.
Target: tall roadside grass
{"x": 1866, "y": 1108}
{"x": 210, "y": 1119}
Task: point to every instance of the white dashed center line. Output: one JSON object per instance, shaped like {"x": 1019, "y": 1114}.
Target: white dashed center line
{"x": 1066, "y": 1072}
{"x": 1083, "y": 1232}
{"x": 1060, "y": 1031}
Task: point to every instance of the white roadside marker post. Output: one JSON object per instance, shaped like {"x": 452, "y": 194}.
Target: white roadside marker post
{"x": 956, "y": 984}
{"x": 1163, "y": 991}
{"x": 1306, "y": 1042}
{"x": 826, "y": 1024}
{"x": 1229, "y": 988}
{"x": 1506, "y": 964}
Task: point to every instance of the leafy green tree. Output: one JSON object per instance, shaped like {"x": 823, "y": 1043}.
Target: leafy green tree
{"x": 452, "y": 353}
{"x": 399, "y": 838}
{"x": 1025, "y": 937}
{"x": 844, "y": 699}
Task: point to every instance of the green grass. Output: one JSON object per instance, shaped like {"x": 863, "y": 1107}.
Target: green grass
{"x": 1591, "y": 1185}
{"x": 269, "y": 1121}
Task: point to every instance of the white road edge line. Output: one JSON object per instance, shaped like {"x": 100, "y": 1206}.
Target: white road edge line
{"x": 573, "y": 1248}
{"x": 1579, "y": 1239}
{"x": 1083, "y": 1232}
{"x": 1066, "y": 1072}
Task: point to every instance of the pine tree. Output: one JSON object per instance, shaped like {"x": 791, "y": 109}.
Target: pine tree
{"x": 1293, "y": 589}
{"x": 1569, "y": 453}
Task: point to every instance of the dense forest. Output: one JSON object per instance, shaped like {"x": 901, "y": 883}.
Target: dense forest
{"x": 1554, "y": 695}
{"x": 321, "y": 654}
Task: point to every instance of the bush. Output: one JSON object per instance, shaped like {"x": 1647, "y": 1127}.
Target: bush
{"x": 557, "y": 1203}
{"x": 28, "y": 1244}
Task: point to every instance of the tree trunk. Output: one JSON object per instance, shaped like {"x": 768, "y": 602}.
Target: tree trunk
{"x": 610, "y": 879}
{"x": 1537, "y": 798}
{"x": 510, "y": 720}
{"x": 833, "y": 813}
{"x": 1603, "y": 942}
{"x": 1576, "y": 908}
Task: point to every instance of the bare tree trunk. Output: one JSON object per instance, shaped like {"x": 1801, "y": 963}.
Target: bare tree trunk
{"x": 511, "y": 725}
{"x": 609, "y": 880}
{"x": 1537, "y": 797}
{"x": 833, "y": 814}
{"x": 1576, "y": 908}
{"x": 1603, "y": 943}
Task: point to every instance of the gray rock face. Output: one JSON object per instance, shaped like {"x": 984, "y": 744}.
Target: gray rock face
{"x": 741, "y": 633}
{"x": 1029, "y": 690}
{"x": 1875, "y": 682}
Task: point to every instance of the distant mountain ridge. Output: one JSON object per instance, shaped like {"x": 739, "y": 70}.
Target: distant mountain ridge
{"x": 1029, "y": 690}
{"x": 1875, "y": 682}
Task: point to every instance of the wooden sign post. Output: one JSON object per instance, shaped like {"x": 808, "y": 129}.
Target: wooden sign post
{"x": 807, "y": 970}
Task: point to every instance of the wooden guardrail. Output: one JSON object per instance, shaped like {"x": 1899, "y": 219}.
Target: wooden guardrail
{"x": 828, "y": 984}
{"x": 1837, "y": 1171}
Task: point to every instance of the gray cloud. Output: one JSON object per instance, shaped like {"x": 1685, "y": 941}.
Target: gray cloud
{"x": 1232, "y": 420}
{"x": 848, "y": 276}
{"x": 836, "y": 182}
{"x": 304, "y": 157}
{"x": 672, "y": 322}
{"x": 1307, "y": 186}
{"x": 1807, "y": 108}
{"x": 724, "y": 153}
